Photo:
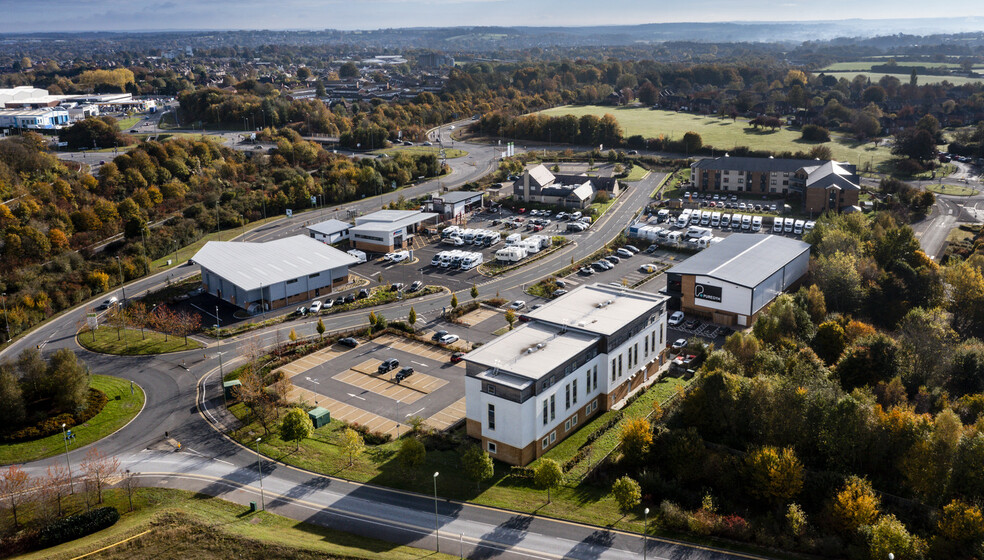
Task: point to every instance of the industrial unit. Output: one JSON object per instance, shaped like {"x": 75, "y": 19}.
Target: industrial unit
{"x": 387, "y": 230}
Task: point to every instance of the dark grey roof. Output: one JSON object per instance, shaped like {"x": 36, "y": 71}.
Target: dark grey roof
{"x": 833, "y": 180}
{"x": 744, "y": 259}
{"x": 751, "y": 164}
{"x": 458, "y": 196}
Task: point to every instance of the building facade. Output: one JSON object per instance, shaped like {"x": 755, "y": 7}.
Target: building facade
{"x": 388, "y": 230}
{"x": 577, "y": 356}
{"x": 36, "y": 119}
{"x": 539, "y": 184}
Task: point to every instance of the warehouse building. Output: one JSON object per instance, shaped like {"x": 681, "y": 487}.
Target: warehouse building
{"x": 453, "y": 204}
{"x": 388, "y": 230}
{"x": 732, "y": 281}
{"x": 274, "y": 274}
{"x": 330, "y": 231}
{"x": 35, "y": 119}
{"x": 575, "y": 357}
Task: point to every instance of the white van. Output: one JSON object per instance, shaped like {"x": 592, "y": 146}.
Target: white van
{"x": 756, "y": 223}
{"x": 471, "y": 261}
{"x": 450, "y": 231}
{"x": 436, "y": 261}
{"x": 683, "y": 219}
{"x": 357, "y": 254}
{"x": 705, "y": 218}
{"x": 798, "y": 227}
{"x": 715, "y": 219}
{"x": 513, "y": 239}
{"x": 777, "y": 225}
{"x": 726, "y": 221}
{"x": 705, "y": 242}
{"x": 492, "y": 238}
{"x": 787, "y": 225}
{"x": 674, "y": 237}
{"x": 746, "y": 222}
{"x": 695, "y": 218}
{"x": 663, "y": 215}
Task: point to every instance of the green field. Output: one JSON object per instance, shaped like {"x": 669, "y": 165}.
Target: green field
{"x": 113, "y": 416}
{"x": 128, "y": 123}
{"x": 724, "y": 134}
{"x": 866, "y": 65}
{"x": 904, "y": 78}
{"x": 172, "y": 524}
{"x": 952, "y": 190}
{"x": 131, "y": 342}
{"x": 637, "y": 173}
{"x": 449, "y": 153}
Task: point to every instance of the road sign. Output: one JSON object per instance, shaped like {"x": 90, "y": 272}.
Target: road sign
{"x": 290, "y": 213}
{"x": 92, "y": 319}
{"x": 314, "y": 201}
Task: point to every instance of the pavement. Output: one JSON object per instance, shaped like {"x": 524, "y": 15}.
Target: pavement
{"x": 184, "y": 405}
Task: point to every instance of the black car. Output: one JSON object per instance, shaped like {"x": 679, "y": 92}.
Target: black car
{"x": 340, "y": 300}
{"x": 404, "y": 373}
{"x": 415, "y": 286}
{"x": 348, "y": 341}
{"x": 388, "y": 365}
{"x": 692, "y": 324}
{"x": 437, "y": 336}
{"x": 350, "y": 298}
{"x": 396, "y": 287}
{"x": 613, "y": 258}
{"x": 363, "y": 293}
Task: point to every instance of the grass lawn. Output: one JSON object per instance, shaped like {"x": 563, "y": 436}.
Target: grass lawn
{"x": 601, "y": 207}
{"x": 133, "y": 343}
{"x": 671, "y": 185}
{"x": 953, "y": 190}
{"x": 188, "y": 525}
{"x": 128, "y": 123}
{"x": 449, "y": 153}
{"x": 904, "y": 78}
{"x": 113, "y": 416}
{"x": 724, "y": 134}
{"x": 959, "y": 235}
{"x": 637, "y": 173}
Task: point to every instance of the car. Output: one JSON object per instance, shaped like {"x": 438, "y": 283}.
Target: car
{"x": 428, "y": 144}
{"x": 388, "y": 256}
{"x": 388, "y": 365}
{"x": 408, "y": 143}
{"x": 363, "y": 293}
{"x": 772, "y": 208}
{"x": 534, "y": 212}
{"x": 558, "y": 293}
{"x": 615, "y": 285}
{"x": 623, "y": 252}
{"x": 517, "y": 305}
{"x": 585, "y": 271}
{"x": 348, "y": 341}
{"x": 351, "y": 298}
{"x": 404, "y": 373}
{"x": 416, "y": 285}
{"x": 340, "y": 300}
{"x": 679, "y": 343}
{"x": 632, "y": 248}
{"x": 106, "y": 304}
{"x": 396, "y": 287}
{"x": 613, "y": 259}
{"x": 301, "y": 310}
{"x": 329, "y": 303}
{"x": 400, "y": 256}
{"x": 457, "y": 357}
{"x": 437, "y": 336}
{"x": 692, "y": 324}
{"x": 675, "y": 319}
{"x": 648, "y": 268}
{"x": 536, "y": 306}
{"x": 449, "y": 339}
{"x": 315, "y": 306}
{"x": 652, "y": 248}
{"x": 560, "y": 283}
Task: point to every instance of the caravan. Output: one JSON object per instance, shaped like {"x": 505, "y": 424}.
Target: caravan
{"x": 511, "y": 254}
{"x": 683, "y": 219}
{"x": 715, "y": 219}
{"x": 756, "y": 223}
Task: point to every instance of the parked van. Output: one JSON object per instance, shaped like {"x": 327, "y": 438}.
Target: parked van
{"x": 715, "y": 219}
{"x": 357, "y": 254}
{"x": 696, "y": 232}
{"x": 674, "y": 237}
{"x": 798, "y": 227}
{"x": 756, "y": 223}
{"x": 695, "y": 218}
{"x": 663, "y": 215}
{"x": 450, "y": 231}
{"x": 472, "y": 261}
{"x": 492, "y": 238}
{"x": 683, "y": 219}
{"x": 726, "y": 220}
{"x": 705, "y": 218}
{"x": 746, "y": 222}
{"x": 468, "y": 236}
{"x": 777, "y": 225}
{"x": 663, "y": 234}
{"x": 705, "y": 242}
{"x": 436, "y": 261}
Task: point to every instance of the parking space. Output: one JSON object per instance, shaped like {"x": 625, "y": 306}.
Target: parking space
{"x": 348, "y": 383}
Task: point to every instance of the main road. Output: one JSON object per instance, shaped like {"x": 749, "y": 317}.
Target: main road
{"x": 183, "y": 400}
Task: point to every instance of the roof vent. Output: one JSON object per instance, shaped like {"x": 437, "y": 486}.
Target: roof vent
{"x": 540, "y": 345}
{"x": 580, "y": 324}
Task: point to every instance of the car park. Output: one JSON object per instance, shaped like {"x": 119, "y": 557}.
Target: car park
{"x": 404, "y": 373}
{"x": 449, "y": 339}
{"x": 438, "y": 335}
{"x": 315, "y": 306}
{"x": 388, "y": 365}
{"x": 517, "y": 305}
{"x": 348, "y": 341}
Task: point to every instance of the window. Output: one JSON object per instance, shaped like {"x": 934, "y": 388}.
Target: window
{"x": 636, "y": 354}
{"x": 567, "y": 426}
{"x": 661, "y": 335}
{"x": 587, "y": 381}
{"x": 613, "y": 369}
{"x": 545, "y": 443}
{"x": 646, "y": 340}
{"x": 620, "y": 366}
{"x": 553, "y": 436}
{"x": 567, "y": 397}
{"x": 491, "y": 416}
{"x": 553, "y": 408}
{"x": 315, "y": 275}
{"x": 545, "y": 417}
{"x": 574, "y": 420}
{"x": 492, "y": 447}
{"x": 574, "y": 390}
{"x": 595, "y": 376}
{"x": 293, "y": 281}
{"x": 490, "y": 389}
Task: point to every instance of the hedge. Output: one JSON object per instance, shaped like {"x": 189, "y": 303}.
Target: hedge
{"x": 78, "y": 526}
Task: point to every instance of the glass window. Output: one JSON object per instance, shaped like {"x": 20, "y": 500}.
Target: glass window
{"x": 553, "y": 408}
{"x": 491, "y": 416}
{"x": 567, "y": 397}
{"x": 595, "y": 376}
{"x": 546, "y": 418}
{"x": 492, "y": 447}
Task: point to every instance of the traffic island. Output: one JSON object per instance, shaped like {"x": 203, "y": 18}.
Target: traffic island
{"x": 133, "y": 342}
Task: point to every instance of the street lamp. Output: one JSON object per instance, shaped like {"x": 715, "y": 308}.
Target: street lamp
{"x": 437, "y": 530}
{"x": 71, "y": 483}
{"x": 5, "y": 318}
{"x": 259, "y": 466}
{"x": 218, "y": 335}
{"x": 122, "y": 288}
{"x": 645, "y": 536}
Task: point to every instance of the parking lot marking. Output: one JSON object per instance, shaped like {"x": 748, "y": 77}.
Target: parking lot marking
{"x": 419, "y": 363}
{"x": 356, "y": 396}
{"x": 416, "y": 413}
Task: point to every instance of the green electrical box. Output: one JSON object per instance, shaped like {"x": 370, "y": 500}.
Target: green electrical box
{"x": 229, "y": 388}
{"x": 319, "y": 417}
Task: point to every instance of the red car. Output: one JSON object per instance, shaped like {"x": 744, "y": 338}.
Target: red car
{"x": 522, "y": 210}
{"x": 457, "y": 357}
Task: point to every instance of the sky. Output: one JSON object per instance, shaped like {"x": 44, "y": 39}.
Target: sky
{"x": 136, "y": 15}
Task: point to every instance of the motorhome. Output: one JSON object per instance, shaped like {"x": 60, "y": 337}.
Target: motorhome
{"x": 756, "y": 223}
{"x": 798, "y": 227}
{"x": 674, "y": 236}
{"x": 492, "y": 238}
{"x": 726, "y": 220}
{"x": 450, "y": 231}
{"x": 787, "y": 225}
{"x": 513, "y": 239}
{"x": 705, "y": 218}
{"x": 715, "y": 219}
{"x": 746, "y": 222}
{"x": 436, "y": 261}
{"x": 472, "y": 261}
{"x": 357, "y": 254}
{"x": 777, "y": 225}
{"x": 695, "y": 218}
{"x": 511, "y": 254}
{"x": 663, "y": 215}
{"x": 683, "y": 219}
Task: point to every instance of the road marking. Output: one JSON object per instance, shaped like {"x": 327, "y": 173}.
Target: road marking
{"x": 418, "y": 363}
{"x": 312, "y": 381}
{"x": 357, "y": 397}
{"x": 415, "y": 413}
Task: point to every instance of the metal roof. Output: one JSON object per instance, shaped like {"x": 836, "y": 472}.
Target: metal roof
{"x": 393, "y": 222}
{"x": 541, "y": 175}
{"x": 743, "y": 259}
{"x": 387, "y": 216}
{"x": 597, "y": 308}
{"x": 458, "y": 196}
{"x": 329, "y": 227}
{"x": 253, "y": 265}
{"x": 756, "y": 164}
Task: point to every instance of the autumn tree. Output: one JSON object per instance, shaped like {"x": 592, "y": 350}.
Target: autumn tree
{"x": 11, "y": 397}
{"x": 14, "y": 482}
{"x": 321, "y": 329}
{"x": 412, "y": 317}
{"x": 69, "y": 380}
{"x": 474, "y": 291}
{"x": 962, "y": 523}
{"x": 854, "y": 506}
{"x": 636, "y": 437}
{"x": 454, "y": 301}
{"x": 352, "y": 444}
{"x": 510, "y": 318}
{"x": 186, "y": 323}
{"x": 138, "y": 316}
{"x": 478, "y": 465}
{"x": 627, "y": 493}
{"x": 296, "y": 426}
{"x": 411, "y": 454}
{"x": 889, "y": 535}
{"x": 548, "y": 474}
{"x": 774, "y": 475}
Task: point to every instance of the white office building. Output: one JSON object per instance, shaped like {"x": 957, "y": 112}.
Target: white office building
{"x": 577, "y": 355}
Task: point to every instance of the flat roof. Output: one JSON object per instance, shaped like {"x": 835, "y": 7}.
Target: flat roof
{"x": 755, "y": 164}
{"x": 530, "y": 351}
{"x": 459, "y": 196}
{"x": 744, "y": 259}
{"x": 393, "y": 221}
{"x": 31, "y": 112}
{"x": 598, "y": 308}
{"x": 389, "y": 216}
{"x": 329, "y": 227}
{"x": 253, "y": 265}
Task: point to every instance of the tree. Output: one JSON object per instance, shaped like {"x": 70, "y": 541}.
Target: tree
{"x": 454, "y": 301}
{"x": 915, "y": 143}
{"x": 14, "y": 483}
{"x": 775, "y": 475}
{"x": 185, "y": 323}
{"x": 11, "y": 397}
{"x": 692, "y": 142}
{"x": 869, "y": 360}
{"x": 352, "y": 444}
{"x": 412, "y": 317}
{"x": 138, "y": 316}
{"x": 510, "y": 318}
{"x": 34, "y": 375}
{"x": 815, "y": 133}
{"x": 348, "y": 70}
{"x": 296, "y": 426}
{"x": 829, "y": 341}
{"x": 796, "y": 519}
{"x": 636, "y": 437}
{"x": 99, "y": 468}
{"x": 627, "y": 493}
{"x": 838, "y": 278}
{"x": 411, "y": 454}
{"x": 478, "y": 465}
{"x": 69, "y": 380}
{"x": 889, "y": 535}
{"x": 961, "y": 522}
{"x": 548, "y": 474}
{"x": 292, "y": 335}
{"x": 474, "y": 291}
{"x": 854, "y": 505}
{"x": 321, "y": 329}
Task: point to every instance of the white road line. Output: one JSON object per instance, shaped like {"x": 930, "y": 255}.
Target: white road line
{"x": 418, "y": 363}
{"x": 357, "y": 397}
{"x": 415, "y": 413}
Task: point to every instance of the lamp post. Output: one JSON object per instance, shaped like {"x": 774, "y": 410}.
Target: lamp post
{"x": 122, "y": 288}
{"x": 437, "y": 530}
{"x": 645, "y": 536}
{"x": 71, "y": 482}
{"x": 5, "y": 318}
{"x": 218, "y": 335}
{"x": 259, "y": 467}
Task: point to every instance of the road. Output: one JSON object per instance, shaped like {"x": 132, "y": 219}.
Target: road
{"x": 950, "y": 211}
{"x": 183, "y": 400}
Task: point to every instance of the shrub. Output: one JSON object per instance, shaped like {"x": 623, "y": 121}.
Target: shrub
{"x": 814, "y": 133}
{"x": 78, "y": 526}
{"x": 371, "y": 437}
{"x": 49, "y": 426}
{"x": 673, "y": 516}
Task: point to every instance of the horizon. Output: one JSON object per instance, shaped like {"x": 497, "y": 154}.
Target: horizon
{"x": 117, "y": 16}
